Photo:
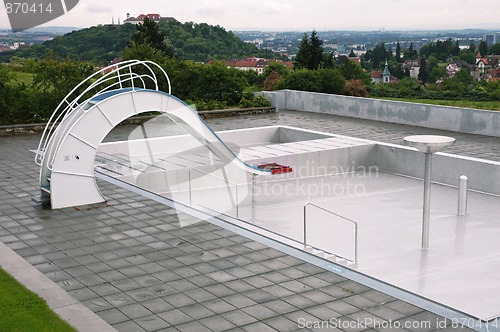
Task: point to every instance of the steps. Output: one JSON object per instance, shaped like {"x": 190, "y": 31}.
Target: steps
{"x": 331, "y": 257}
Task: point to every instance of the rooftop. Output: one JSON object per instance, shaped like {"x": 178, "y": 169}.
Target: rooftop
{"x": 131, "y": 263}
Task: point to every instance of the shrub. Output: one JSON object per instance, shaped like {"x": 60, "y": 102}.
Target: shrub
{"x": 355, "y": 88}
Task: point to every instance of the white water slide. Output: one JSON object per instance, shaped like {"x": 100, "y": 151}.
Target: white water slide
{"x": 67, "y": 150}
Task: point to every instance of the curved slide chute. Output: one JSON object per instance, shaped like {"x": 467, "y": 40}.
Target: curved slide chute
{"x": 67, "y": 156}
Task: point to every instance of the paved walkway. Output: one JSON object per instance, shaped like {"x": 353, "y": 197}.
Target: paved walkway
{"x": 131, "y": 263}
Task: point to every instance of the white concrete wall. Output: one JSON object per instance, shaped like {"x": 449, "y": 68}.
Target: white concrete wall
{"x": 462, "y": 120}
{"x": 483, "y": 175}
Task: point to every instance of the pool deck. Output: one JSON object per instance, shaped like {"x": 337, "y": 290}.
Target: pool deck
{"x": 131, "y": 263}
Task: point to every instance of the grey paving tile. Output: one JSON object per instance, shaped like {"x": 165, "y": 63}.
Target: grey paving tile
{"x": 258, "y": 295}
{"x": 219, "y": 306}
{"x": 175, "y": 317}
{"x": 135, "y": 310}
{"x": 238, "y": 300}
{"x": 152, "y": 323}
{"x": 386, "y": 313}
{"x": 128, "y": 326}
{"x": 217, "y": 323}
{"x": 125, "y": 284}
{"x": 157, "y": 305}
{"x": 141, "y": 294}
{"x": 83, "y": 294}
{"x": 257, "y": 327}
{"x": 404, "y": 308}
{"x": 119, "y": 299}
{"x": 239, "y": 317}
{"x": 167, "y": 267}
{"x": 91, "y": 280}
{"x": 193, "y": 326}
{"x": 112, "y": 316}
{"x": 260, "y": 312}
{"x": 281, "y": 324}
{"x": 197, "y": 311}
{"x": 178, "y": 300}
{"x": 278, "y": 291}
{"x": 378, "y": 297}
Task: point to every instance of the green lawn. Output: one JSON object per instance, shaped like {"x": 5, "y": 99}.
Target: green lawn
{"x": 483, "y": 105}
{"x": 21, "y": 310}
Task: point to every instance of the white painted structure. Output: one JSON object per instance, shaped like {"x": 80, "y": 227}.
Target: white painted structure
{"x": 68, "y": 146}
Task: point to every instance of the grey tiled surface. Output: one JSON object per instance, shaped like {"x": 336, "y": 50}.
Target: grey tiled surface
{"x": 130, "y": 262}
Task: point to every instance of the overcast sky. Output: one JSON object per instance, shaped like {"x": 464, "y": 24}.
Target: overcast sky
{"x": 300, "y": 15}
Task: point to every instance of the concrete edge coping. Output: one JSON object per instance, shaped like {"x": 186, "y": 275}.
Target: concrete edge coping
{"x": 31, "y": 128}
{"x": 63, "y": 304}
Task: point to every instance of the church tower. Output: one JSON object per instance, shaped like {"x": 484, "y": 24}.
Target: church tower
{"x": 386, "y": 74}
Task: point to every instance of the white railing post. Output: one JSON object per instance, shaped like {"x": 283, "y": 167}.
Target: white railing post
{"x": 462, "y": 195}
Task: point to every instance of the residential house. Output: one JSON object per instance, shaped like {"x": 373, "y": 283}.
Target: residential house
{"x": 493, "y": 75}
{"x": 255, "y": 64}
{"x": 413, "y": 67}
{"x": 452, "y": 69}
{"x": 482, "y": 66}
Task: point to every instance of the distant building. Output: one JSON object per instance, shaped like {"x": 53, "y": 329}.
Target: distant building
{"x": 482, "y": 64}
{"x": 493, "y": 75}
{"x": 413, "y": 67}
{"x": 452, "y": 69}
{"x": 253, "y": 64}
{"x": 492, "y": 38}
{"x": 153, "y": 17}
{"x": 384, "y": 76}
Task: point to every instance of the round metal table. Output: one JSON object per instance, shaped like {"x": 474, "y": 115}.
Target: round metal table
{"x": 428, "y": 144}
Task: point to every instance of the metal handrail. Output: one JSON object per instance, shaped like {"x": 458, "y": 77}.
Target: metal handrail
{"x": 66, "y": 108}
{"x": 337, "y": 215}
{"x": 219, "y": 178}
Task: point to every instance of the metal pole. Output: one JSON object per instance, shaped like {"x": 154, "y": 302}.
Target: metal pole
{"x": 305, "y": 225}
{"x": 427, "y": 201}
{"x": 253, "y": 187}
{"x": 462, "y": 195}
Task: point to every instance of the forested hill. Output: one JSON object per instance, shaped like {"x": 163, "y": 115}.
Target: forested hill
{"x": 202, "y": 42}
{"x": 99, "y": 44}
{"x": 191, "y": 41}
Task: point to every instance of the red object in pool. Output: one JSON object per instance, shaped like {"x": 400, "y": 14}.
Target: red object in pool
{"x": 276, "y": 168}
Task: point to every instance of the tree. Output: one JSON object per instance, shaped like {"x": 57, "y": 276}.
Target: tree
{"x": 410, "y": 53}
{"x": 472, "y": 47}
{"x": 303, "y": 54}
{"x": 311, "y": 54}
{"x": 483, "y": 48}
{"x": 437, "y": 73}
{"x": 316, "y": 51}
{"x": 352, "y": 71}
{"x": 377, "y": 56}
{"x": 352, "y": 54}
{"x": 423, "y": 74}
{"x": 324, "y": 80}
{"x": 456, "y": 49}
{"x": 398, "y": 52}
{"x": 278, "y": 67}
{"x": 495, "y": 49}
{"x": 148, "y": 32}
{"x": 272, "y": 81}
{"x": 355, "y": 88}
{"x": 463, "y": 76}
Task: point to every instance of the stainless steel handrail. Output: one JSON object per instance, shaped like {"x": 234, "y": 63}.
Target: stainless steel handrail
{"x": 337, "y": 215}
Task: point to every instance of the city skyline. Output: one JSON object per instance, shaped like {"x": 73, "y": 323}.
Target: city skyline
{"x": 277, "y": 15}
